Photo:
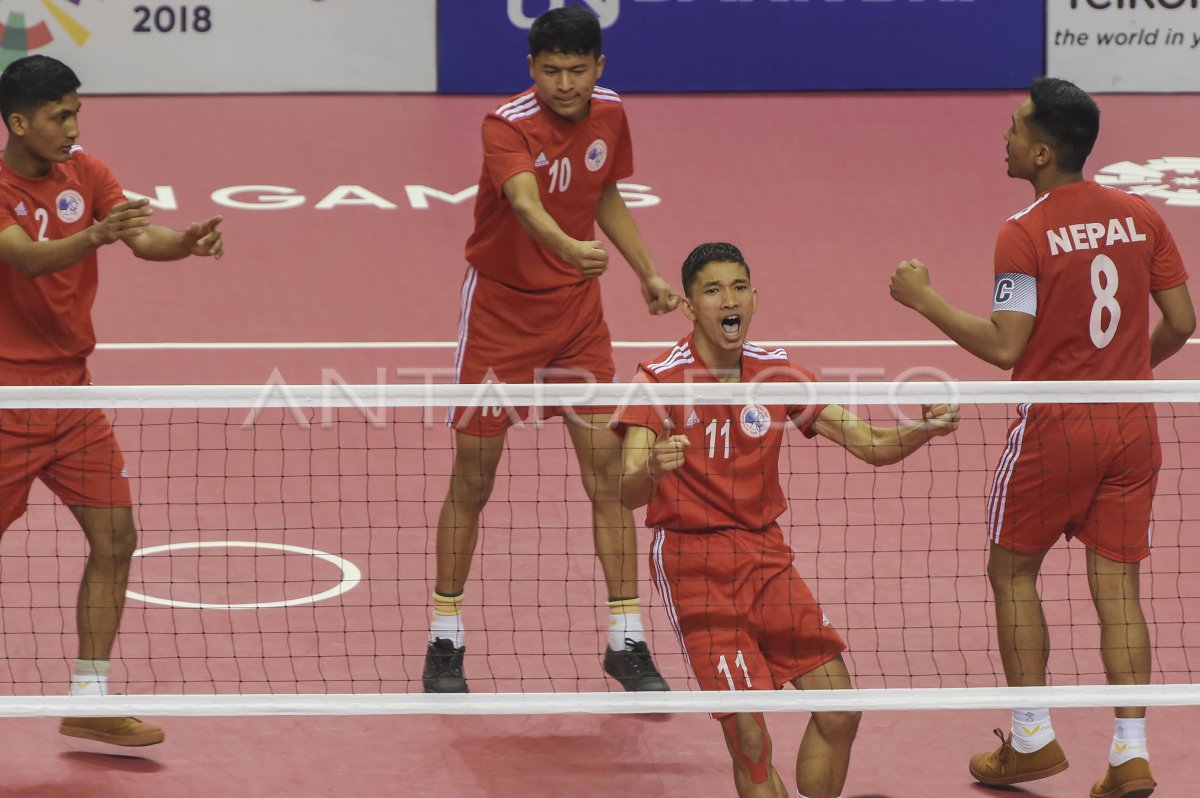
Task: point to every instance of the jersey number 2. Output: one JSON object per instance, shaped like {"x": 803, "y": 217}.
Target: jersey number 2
{"x": 1106, "y": 299}
{"x": 43, "y": 218}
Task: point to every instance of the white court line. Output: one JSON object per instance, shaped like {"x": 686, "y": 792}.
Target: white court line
{"x": 147, "y": 346}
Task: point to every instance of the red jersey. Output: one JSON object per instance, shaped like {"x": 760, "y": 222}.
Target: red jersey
{"x": 573, "y": 164}
{"x": 730, "y": 475}
{"x": 46, "y": 322}
{"x": 1083, "y": 260}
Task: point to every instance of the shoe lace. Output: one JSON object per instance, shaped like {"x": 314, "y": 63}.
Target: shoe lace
{"x": 637, "y": 656}
{"x": 446, "y": 660}
{"x": 1004, "y": 752}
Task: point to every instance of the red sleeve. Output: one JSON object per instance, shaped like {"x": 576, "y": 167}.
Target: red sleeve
{"x": 623, "y": 165}
{"x": 804, "y": 416}
{"x": 1015, "y": 253}
{"x": 1166, "y": 266}
{"x": 647, "y": 416}
{"x": 6, "y": 212}
{"x": 505, "y": 152}
{"x": 103, "y": 184}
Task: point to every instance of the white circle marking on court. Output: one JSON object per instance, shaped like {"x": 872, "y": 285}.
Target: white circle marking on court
{"x": 351, "y": 575}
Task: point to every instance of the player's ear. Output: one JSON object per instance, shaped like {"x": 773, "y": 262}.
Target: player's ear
{"x": 689, "y": 312}
{"x": 529, "y": 60}
{"x": 599, "y": 67}
{"x": 1043, "y": 155}
{"x": 18, "y": 124}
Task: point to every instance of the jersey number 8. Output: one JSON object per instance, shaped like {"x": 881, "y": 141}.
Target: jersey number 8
{"x": 1106, "y": 299}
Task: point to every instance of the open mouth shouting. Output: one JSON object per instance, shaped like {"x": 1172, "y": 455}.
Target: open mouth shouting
{"x": 731, "y": 326}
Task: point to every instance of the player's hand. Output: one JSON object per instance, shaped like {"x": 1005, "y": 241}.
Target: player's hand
{"x": 126, "y": 220}
{"x": 910, "y": 283}
{"x": 590, "y": 258}
{"x": 668, "y": 452}
{"x": 204, "y": 239}
{"x": 940, "y": 419}
{"x": 659, "y": 295}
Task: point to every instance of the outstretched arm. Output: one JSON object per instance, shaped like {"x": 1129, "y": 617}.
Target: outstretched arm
{"x": 164, "y": 243}
{"x": 127, "y": 221}
{"x": 616, "y": 221}
{"x": 646, "y": 458}
{"x": 999, "y": 339}
{"x": 884, "y": 445}
{"x": 588, "y": 257}
{"x": 1176, "y": 326}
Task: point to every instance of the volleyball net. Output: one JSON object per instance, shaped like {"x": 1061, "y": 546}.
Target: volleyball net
{"x": 288, "y": 533}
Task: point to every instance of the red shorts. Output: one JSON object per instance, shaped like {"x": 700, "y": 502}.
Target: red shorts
{"x": 1085, "y": 471}
{"x": 746, "y": 618}
{"x": 508, "y": 335}
{"x": 73, "y": 451}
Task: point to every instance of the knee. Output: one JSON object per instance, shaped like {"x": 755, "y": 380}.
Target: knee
{"x": 749, "y": 745}
{"x": 604, "y": 486}
{"x": 838, "y": 726}
{"x": 472, "y": 486}
{"x": 117, "y": 541}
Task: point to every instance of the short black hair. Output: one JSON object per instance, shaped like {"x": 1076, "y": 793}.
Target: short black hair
{"x": 30, "y": 82}
{"x": 701, "y": 256}
{"x": 571, "y": 30}
{"x": 1068, "y": 117}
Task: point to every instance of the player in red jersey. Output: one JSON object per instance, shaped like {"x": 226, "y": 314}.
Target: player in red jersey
{"x": 710, "y": 475}
{"x": 1075, "y": 274}
{"x": 58, "y": 206}
{"x": 530, "y": 312}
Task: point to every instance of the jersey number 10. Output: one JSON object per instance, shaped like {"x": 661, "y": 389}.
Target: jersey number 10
{"x": 560, "y": 175}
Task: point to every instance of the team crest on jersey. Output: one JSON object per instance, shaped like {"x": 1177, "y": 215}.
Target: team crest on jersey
{"x": 69, "y": 206}
{"x": 755, "y": 420}
{"x": 597, "y": 154}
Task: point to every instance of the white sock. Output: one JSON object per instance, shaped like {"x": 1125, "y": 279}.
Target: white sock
{"x": 1129, "y": 741}
{"x": 447, "y": 619}
{"x": 90, "y": 677}
{"x": 448, "y": 627}
{"x": 625, "y": 622}
{"x": 625, "y": 627}
{"x": 1031, "y": 730}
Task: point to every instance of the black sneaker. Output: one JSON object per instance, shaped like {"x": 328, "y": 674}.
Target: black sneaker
{"x": 444, "y": 668}
{"x": 634, "y": 668}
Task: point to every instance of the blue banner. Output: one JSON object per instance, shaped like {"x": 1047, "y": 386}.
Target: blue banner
{"x": 760, "y": 45}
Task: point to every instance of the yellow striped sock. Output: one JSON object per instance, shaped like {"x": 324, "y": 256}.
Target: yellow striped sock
{"x": 447, "y": 605}
{"x": 625, "y": 622}
{"x": 631, "y": 606}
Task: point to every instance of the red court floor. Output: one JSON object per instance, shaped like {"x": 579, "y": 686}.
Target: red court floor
{"x": 350, "y": 229}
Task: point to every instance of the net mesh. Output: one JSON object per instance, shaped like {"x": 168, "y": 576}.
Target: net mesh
{"x": 287, "y": 536}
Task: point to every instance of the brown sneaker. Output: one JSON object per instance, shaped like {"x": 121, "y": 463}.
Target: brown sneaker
{"x": 1130, "y": 780}
{"x": 114, "y": 731}
{"x": 1006, "y": 765}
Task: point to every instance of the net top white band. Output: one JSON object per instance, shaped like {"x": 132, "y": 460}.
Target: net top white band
{"x": 282, "y": 395}
{"x": 564, "y": 703}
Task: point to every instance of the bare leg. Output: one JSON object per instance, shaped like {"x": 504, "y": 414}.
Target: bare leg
{"x": 471, "y": 480}
{"x": 749, "y": 745}
{"x": 1020, "y": 623}
{"x": 112, "y": 539}
{"x": 1124, "y": 638}
{"x": 824, "y": 756}
{"x": 599, "y": 452}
